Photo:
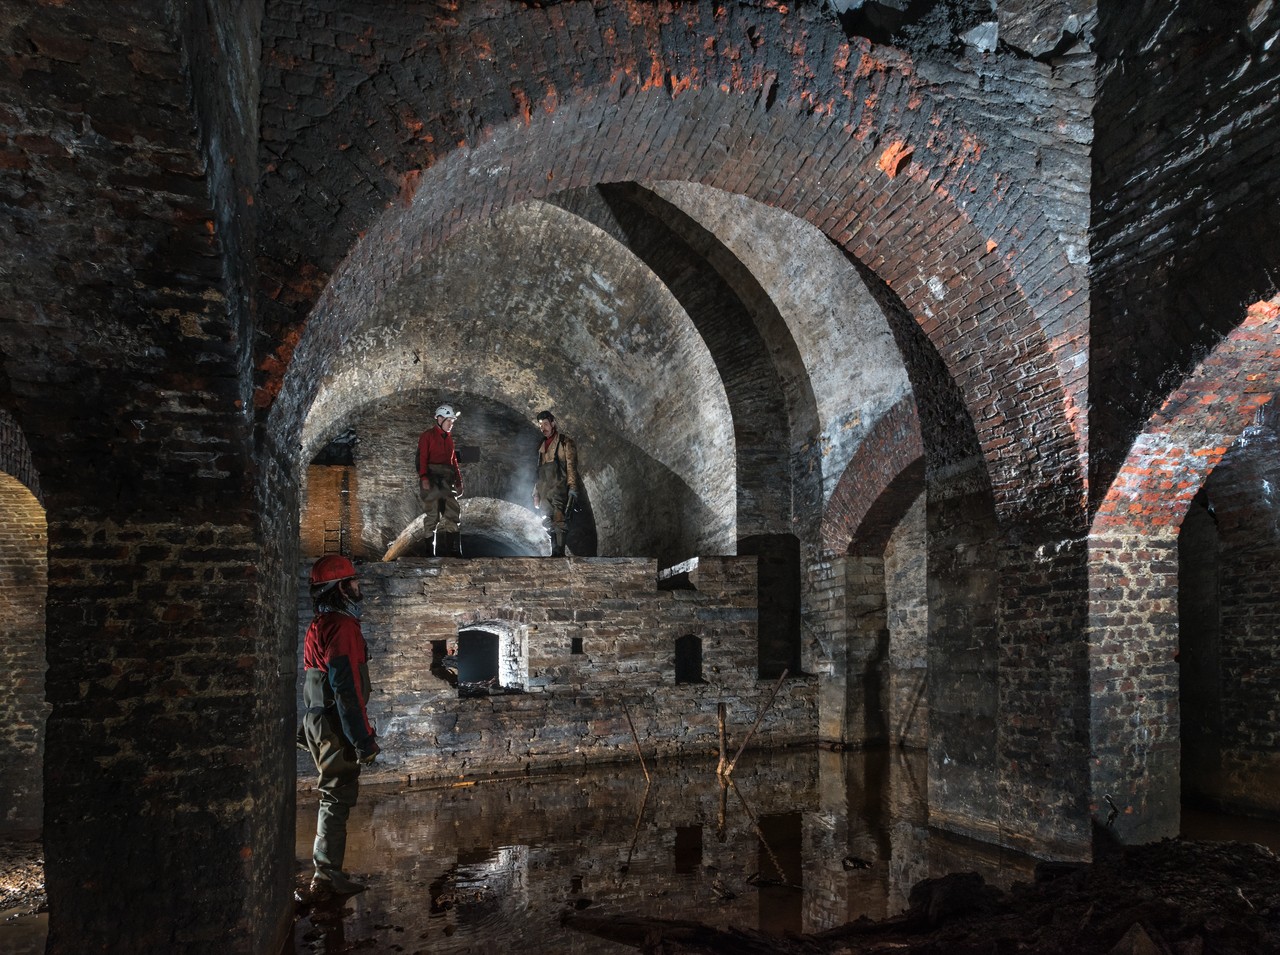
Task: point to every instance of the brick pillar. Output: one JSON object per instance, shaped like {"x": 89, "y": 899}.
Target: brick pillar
{"x": 1133, "y": 637}
{"x": 826, "y": 596}
{"x": 867, "y": 640}
{"x": 1043, "y": 734}
{"x": 964, "y": 587}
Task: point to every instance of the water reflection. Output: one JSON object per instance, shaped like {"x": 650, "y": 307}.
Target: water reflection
{"x": 802, "y": 841}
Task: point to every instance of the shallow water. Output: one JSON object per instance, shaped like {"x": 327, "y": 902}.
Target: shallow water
{"x": 800, "y": 842}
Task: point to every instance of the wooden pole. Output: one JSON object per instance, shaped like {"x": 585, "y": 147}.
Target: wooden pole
{"x": 765, "y": 709}
{"x": 723, "y": 751}
{"x": 635, "y": 736}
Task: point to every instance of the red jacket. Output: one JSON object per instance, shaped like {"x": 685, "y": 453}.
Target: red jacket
{"x": 335, "y": 648}
{"x": 436, "y": 447}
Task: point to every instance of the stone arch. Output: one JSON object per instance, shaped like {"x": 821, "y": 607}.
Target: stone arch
{"x": 1133, "y": 632}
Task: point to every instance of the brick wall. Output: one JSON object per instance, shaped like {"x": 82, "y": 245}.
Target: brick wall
{"x": 571, "y": 710}
{"x": 330, "y": 522}
{"x": 955, "y": 232}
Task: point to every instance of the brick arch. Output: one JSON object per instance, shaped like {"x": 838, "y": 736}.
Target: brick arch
{"x": 1133, "y": 575}
{"x": 1193, "y": 429}
{"x": 24, "y": 592}
{"x": 880, "y": 484}
{"x": 15, "y": 455}
{"x": 961, "y": 277}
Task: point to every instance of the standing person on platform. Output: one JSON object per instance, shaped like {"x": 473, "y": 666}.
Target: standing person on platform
{"x": 440, "y": 480}
{"x": 556, "y": 490}
{"x": 335, "y": 721}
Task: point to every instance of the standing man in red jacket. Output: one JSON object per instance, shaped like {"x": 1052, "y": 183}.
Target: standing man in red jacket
{"x": 335, "y": 721}
{"x": 440, "y": 479}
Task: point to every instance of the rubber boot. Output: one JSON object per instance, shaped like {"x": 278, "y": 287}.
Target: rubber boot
{"x": 453, "y": 543}
{"x": 557, "y": 544}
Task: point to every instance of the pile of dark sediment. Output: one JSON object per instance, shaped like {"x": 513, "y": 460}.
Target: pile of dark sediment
{"x": 1169, "y": 898}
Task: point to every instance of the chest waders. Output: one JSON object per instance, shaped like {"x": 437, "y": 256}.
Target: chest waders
{"x": 553, "y": 489}
{"x": 339, "y": 782}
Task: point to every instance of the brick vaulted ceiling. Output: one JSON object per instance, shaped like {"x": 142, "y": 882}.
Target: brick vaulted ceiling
{"x": 392, "y": 139}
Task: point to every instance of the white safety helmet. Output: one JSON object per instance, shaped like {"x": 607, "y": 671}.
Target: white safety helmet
{"x": 446, "y": 411}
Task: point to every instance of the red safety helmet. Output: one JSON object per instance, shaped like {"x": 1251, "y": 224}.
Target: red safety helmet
{"x": 331, "y": 568}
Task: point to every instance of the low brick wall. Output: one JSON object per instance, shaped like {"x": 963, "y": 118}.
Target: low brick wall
{"x": 582, "y": 637}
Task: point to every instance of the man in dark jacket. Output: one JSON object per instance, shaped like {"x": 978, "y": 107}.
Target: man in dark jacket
{"x": 440, "y": 480}
{"x": 335, "y": 721}
{"x": 556, "y": 491}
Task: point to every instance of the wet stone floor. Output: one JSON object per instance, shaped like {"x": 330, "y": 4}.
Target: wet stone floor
{"x": 799, "y": 842}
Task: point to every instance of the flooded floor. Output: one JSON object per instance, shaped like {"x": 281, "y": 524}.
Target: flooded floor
{"x": 801, "y": 841}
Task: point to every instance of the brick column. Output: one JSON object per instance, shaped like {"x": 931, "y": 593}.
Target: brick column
{"x": 1133, "y": 636}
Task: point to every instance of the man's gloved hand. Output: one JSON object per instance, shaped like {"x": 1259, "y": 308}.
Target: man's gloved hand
{"x": 573, "y": 499}
{"x": 367, "y": 753}
{"x": 457, "y": 490}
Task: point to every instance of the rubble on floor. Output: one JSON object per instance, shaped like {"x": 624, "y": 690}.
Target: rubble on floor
{"x": 22, "y": 878}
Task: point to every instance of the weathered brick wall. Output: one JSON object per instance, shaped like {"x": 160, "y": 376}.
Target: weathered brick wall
{"x": 24, "y": 563}
{"x": 1200, "y": 683}
{"x": 126, "y": 363}
{"x": 1133, "y": 623}
{"x": 997, "y": 302}
{"x": 571, "y": 710}
{"x": 860, "y": 642}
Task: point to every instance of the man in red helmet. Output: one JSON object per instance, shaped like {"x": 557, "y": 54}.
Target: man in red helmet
{"x": 335, "y": 721}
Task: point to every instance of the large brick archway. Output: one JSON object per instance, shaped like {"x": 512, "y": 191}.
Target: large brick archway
{"x": 843, "y": 149}
{"x": 1133, "y": 577}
